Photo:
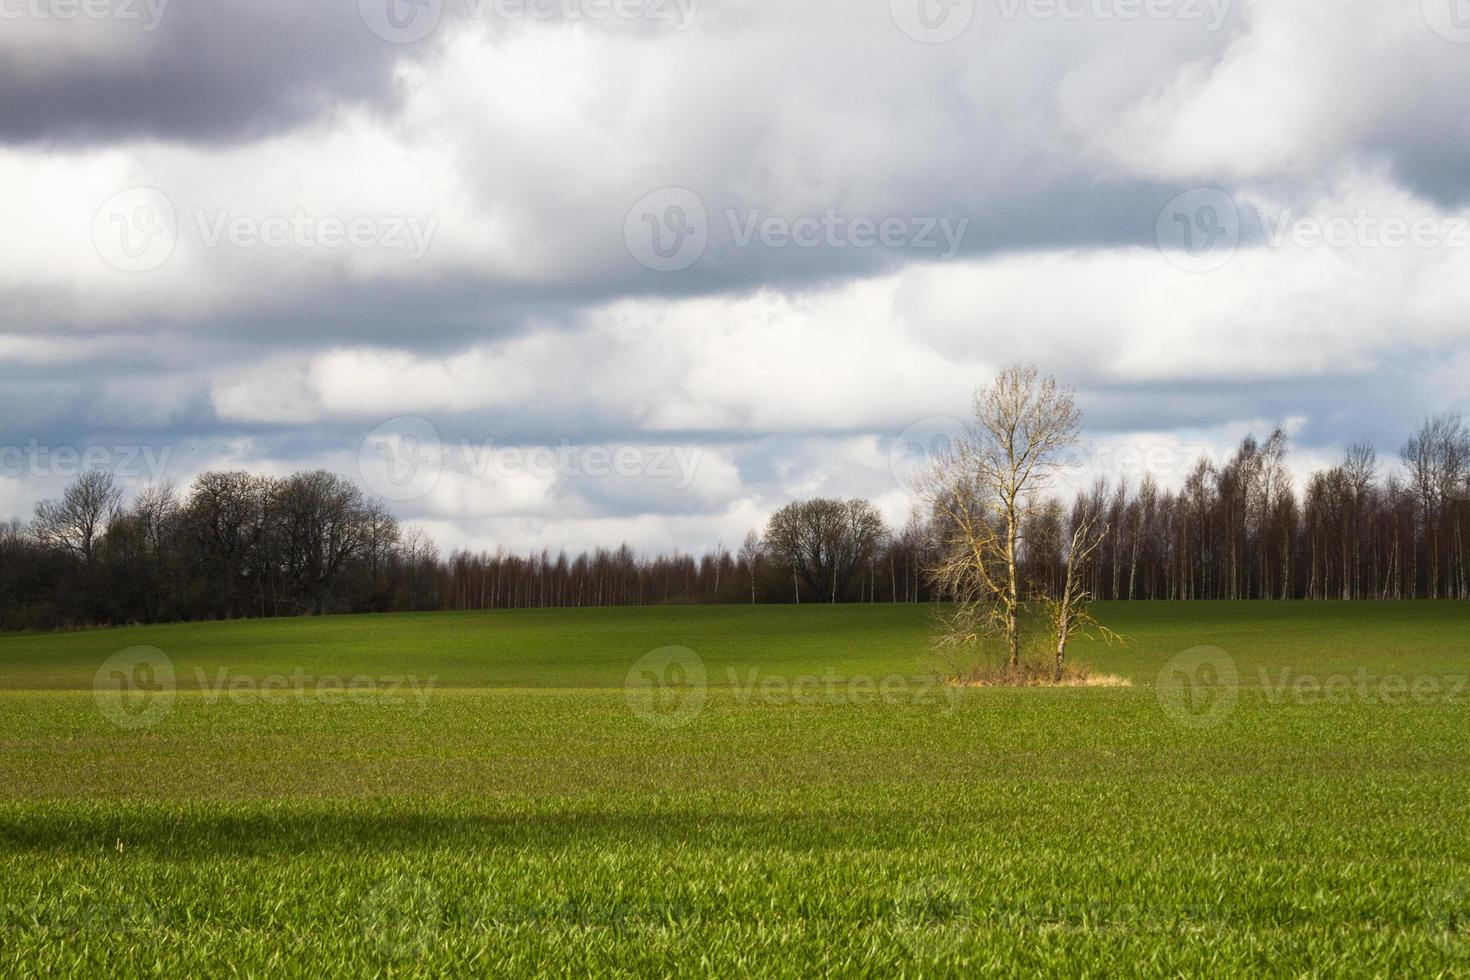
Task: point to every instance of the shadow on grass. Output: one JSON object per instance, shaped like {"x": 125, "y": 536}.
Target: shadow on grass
{"x": 196, "y": 831}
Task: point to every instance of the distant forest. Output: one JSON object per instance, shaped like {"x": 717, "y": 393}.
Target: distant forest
{"x": 241, "y": 545}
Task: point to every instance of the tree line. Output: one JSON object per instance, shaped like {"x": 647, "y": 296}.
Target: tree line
{"x": 236, "y": 544}
{"x": 1241, "y": 529}
{"x": 811, "y": 551}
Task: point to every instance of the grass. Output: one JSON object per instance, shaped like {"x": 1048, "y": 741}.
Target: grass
{"x": 817, "y": 806}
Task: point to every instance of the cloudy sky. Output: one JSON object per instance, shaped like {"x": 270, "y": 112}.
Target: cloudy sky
{"x": 573, "y": 272}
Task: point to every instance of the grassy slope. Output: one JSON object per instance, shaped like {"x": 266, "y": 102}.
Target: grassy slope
{"x": 552, "y": 829}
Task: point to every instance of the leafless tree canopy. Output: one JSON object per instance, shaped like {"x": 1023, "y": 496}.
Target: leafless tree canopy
{"x": 77, "y": 520}
{"x": 752, "y": 557}
{"x": 1068, "y": 608}
{"x": 1438, "y": 460}
{"x": 825, "y": 542}
{"x": 985, "y": 491}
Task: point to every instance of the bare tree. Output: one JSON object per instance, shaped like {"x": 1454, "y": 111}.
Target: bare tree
{"x": 1069, "y": 611}
{"x": 320, "y": 524}
{"x": 155, "y": 509}
{"x": 227, "y": 517}
{"x": 752, "y": 555}
{"x": 76, "y": 521}
{"x": 984, "y": 486}
{"x": 825, "y": 541}
{"x": 380, "y": 542}
{"x": 1437, "y": 457}
{"x": 1360, "y": 469}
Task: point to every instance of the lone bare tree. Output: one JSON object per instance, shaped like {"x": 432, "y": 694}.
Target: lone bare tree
{"x": 983, "y": 488}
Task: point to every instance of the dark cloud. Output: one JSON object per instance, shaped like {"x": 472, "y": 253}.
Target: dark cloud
{"x": 1438, "y": 170}
{"x": 208, "y": 72}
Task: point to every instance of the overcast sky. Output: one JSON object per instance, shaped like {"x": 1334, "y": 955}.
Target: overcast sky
{"x": 574, "y": 272}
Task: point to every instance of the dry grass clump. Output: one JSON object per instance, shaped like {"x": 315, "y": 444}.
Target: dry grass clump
{"x": 1034, "y": 674}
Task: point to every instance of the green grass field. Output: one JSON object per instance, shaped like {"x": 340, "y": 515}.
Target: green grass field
{"x": 496, "y": 794}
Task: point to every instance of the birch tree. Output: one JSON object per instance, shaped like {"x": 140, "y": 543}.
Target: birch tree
{"x": 983, "y": 489}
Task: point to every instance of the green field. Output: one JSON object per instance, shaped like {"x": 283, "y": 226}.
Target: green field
{"x": 503, "y": 802}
